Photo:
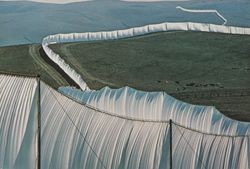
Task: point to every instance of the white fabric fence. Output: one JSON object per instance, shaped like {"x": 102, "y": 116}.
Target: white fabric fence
{"x": 203, "y": 11}
{"x": 18, "y": 122}
{"x": 77, "y": 136}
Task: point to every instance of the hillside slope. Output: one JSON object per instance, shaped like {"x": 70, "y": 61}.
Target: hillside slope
{"x": 200, "y": 68}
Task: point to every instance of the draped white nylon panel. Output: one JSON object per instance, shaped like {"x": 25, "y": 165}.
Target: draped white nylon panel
{"x": 159, "y": 107}
{"x": 210, "y": 141}
{"x": 18, "y": 122}
{"x": 76, "y": 136}
{"x": 196, "y": 150}
{"x": 102, "y": 140}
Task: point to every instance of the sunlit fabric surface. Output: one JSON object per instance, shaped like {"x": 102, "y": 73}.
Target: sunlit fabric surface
{"x": 76, "y": 136}
{"x": 119, "y": 143}
{"x": 159, "y": 107}
{"x": 18, "y": 122}
{"x": 191, "y": 149}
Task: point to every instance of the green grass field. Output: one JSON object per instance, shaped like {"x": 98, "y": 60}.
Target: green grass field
{"x": 199, "y": 68}
{"x": 172, "y": 62}
{"x": 26, "y": 59}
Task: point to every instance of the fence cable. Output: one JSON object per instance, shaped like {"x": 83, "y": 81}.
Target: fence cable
{"x": 84, "y": 138}
{"x": 185, "y": 139}
{"x": 102, "y": 163}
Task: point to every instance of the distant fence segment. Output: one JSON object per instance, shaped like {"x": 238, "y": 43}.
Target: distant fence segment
{"x": 126, "y": 33}
{"x": 76, "y": 136}
{"x": 203, "y": 11}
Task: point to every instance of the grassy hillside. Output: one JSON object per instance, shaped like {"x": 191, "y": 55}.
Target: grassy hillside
{"x": 26, "y": 59}
{"x": 173, "y": 62}
{"x": 200, "y": 68}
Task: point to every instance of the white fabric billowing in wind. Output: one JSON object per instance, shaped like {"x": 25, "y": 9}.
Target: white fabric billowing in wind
{"x": 200, "y": 151}
{"x": 18, "y": 122}
{"x": 131, "y": 140}
{"x": 119, "y": 34}
{"x": 117, "y": 142}
{"x": 77, "y": 136}
{"x": 158, "y": 106}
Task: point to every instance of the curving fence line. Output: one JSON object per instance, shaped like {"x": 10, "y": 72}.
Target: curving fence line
{"x": 203, "y": 11}
{"x": 126, "y": 33}
{"x": 41, "y": 128}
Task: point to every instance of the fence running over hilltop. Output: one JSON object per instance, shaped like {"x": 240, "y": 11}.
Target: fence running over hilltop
{"x": 74, "y": 135}
{"x": 203, "y": 11}
{"x": 120, "y": 34}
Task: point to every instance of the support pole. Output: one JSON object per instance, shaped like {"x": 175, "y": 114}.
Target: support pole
{"x": 170, "y": 144}
{"x": 39, "y": 124}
